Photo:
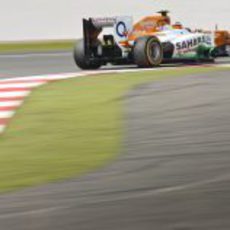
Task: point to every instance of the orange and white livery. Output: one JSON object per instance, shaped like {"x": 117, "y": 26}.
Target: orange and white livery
{"x": 147, "y": 43}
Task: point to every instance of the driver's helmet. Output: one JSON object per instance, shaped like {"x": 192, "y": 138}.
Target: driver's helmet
{"x": 178, "y": 25}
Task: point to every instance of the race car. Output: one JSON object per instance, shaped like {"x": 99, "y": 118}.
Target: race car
{"x": 148, "y": 43}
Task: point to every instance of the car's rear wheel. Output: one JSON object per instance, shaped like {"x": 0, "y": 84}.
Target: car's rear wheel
{"x": 148, "y": 52}
{"x": 81, "y": 60}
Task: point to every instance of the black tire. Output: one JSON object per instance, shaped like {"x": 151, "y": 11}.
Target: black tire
{"x": 148, "y": 52}
{"x": 82, "y": 61}
{"x": 227, "y": 49}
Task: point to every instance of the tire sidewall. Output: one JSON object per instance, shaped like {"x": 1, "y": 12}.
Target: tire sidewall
{"x": 142, "y": 52}
{"x": 81, "y": 60}
{"x": 150, "y": 42}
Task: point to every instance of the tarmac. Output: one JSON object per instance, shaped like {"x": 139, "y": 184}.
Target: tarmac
{"x": 173, "y": 173}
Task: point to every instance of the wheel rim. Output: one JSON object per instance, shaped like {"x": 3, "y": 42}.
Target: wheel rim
{"x": 228, "y": 50}
{"x": 155, "y": 52}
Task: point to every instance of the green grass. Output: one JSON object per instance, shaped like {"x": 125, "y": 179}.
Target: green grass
{"x": 36, "y": 46}
{"x": 69, "y": 128}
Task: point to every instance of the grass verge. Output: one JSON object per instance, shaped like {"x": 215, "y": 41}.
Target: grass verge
{"x": 69, "y": 127}
{"x": 36, "y": 46}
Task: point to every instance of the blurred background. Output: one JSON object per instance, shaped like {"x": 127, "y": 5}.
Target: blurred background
{"x": 52, "y": 19}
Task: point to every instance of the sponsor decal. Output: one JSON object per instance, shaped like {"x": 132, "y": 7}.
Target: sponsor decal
{"x": 101, "y": 22}
{"x": 121, "y": 29}
{"x": 193, "y": 42}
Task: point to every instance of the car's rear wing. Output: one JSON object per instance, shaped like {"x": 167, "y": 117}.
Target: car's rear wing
{"x": 90, "y": 34}
{"x": 92, "y": 27}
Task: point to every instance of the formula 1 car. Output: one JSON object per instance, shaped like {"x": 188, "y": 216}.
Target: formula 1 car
{"x": 148, "y": 43}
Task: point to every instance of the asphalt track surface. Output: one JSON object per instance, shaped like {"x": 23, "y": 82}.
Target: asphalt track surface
{"x": 173, "y": 174}
{"x": 17, "y": 65}
{"x": 20, "y": 65}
